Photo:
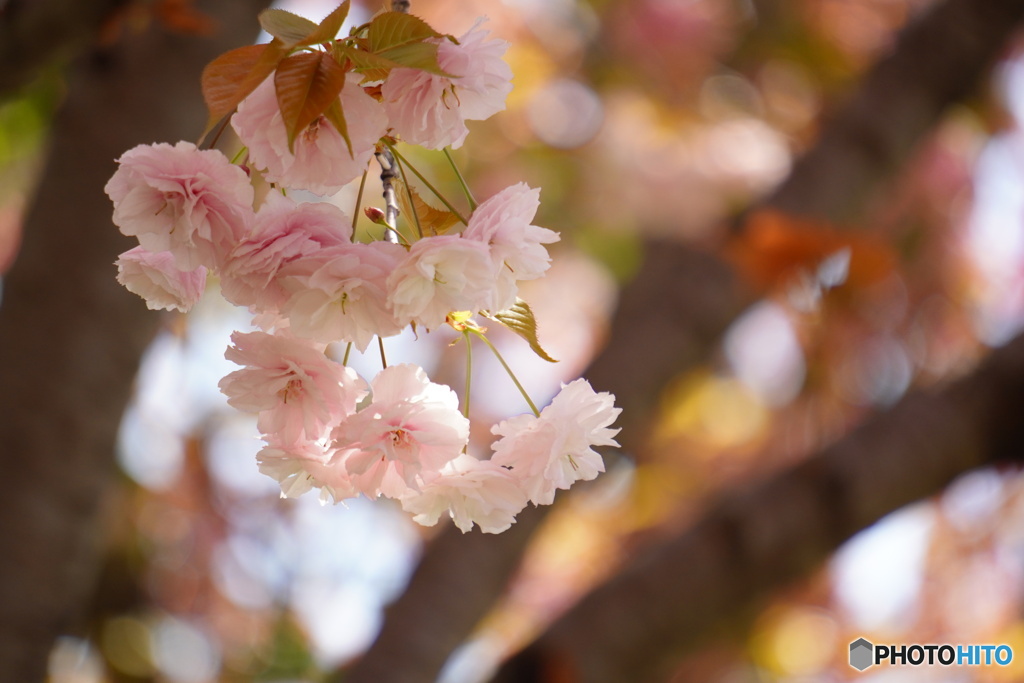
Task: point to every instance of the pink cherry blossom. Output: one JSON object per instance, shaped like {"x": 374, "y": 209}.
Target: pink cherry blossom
{"x": 556, "y": 449}
{"x": 503, "y": 223}
{"x": 321, "y": 162}
{"x": 340, "y": 293}
{"x": 440, "y": 275}
{"x": 193, "y": 203}
{"x": 157, "y": 279}
{"x": 283, "y": 232}
{"x": 431, "y": 110}
{"x": 298, "y": 392}
{"x": 410, "y": 430}
{"x": 471, "y": 491}
{"x": 305, "y": 465}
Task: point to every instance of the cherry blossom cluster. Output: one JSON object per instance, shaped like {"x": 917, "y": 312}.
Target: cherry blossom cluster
{"x": 310, "y": 281}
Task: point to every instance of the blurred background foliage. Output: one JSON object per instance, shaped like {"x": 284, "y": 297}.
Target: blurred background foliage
{"x": 638, "y": 118}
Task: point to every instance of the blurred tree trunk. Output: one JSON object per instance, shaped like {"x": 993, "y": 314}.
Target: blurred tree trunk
{"x": 683, "y": 300}
{"x": 70, "y": 336}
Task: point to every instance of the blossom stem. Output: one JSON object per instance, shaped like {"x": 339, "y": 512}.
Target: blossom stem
{"x": 216, "y": 136}
{"x": 383, "y": 358}
{"x": 359, "y": 202}
{"x": 429, "y": 186}
{"x": 348, "y": 350}
{"x": 462, "y": 181}
{"x": 408, "y": 195}
{"x": 234, "y": 159}
{"x": 519, "y": 386}
{"x": 469, "y": 370}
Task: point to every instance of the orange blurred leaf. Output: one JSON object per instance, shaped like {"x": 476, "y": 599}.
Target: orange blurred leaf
{"x": 183, "y": 17}
{"x": 776, "y": 247}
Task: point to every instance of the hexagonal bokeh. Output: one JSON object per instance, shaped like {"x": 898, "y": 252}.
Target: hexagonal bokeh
{"x": 861, "y": 654}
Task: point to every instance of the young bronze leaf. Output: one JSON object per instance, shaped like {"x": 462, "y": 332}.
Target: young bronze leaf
{"x": 306, "y": 84}
{"x": 432, "y": 221}
{"x": 229, "y": 78}
{"x": 290, "y": 29}
{"x": 329, "y": 27}
{"x": 389, "y": 30}
{"x": 336, "y": 115}
{"x": 519, "y": 318}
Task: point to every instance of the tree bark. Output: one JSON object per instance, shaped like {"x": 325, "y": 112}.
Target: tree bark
{"x": 70, "y": 336}
{"x": 938, "y": 60}
{"x": 672, "y": 315}
{"x": 34, "y": 33}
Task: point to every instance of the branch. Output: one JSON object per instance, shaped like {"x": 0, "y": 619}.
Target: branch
{"x": 754, "y": 541}
{"x": 388, "y": 175}
{"x": 71, "y": 337}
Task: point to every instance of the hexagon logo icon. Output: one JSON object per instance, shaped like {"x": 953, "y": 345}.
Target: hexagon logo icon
{"x": 861, "y": 654}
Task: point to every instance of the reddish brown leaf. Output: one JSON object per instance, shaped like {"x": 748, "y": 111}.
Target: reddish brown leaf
{"x": 336, "y": 116}
{"x": 306, "y": 86}
{"x": 229, "y": 78}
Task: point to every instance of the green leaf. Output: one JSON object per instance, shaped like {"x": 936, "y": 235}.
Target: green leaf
{"x": 329, "y": 27}
{"x": 232, "y": 76}
{"x": 393, "y": 29}
{"x": 306, "y": 85}
{"x": 290, "y": 29}
{"x": 417, "y": 56}
{"x": 400, "y": 38}
{"x": 371, "y": 66}
{"x": 519, "y": 318}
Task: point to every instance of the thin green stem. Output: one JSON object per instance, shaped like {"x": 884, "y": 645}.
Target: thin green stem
{"x": 238, "y": 156}
{"x": 408, "y": 194}
{"x": 462, "y": 181}
{"x": 348, "y": 350}
{"x": 359, "y": 202}
{"x": 398, "y": 238}
{"x": 469, "y": 370}
{"x": 429, "y": 186}
{"x": 511, "y": 374}
{"x": 383, "y": 358}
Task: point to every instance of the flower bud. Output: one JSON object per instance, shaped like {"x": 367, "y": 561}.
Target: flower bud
{"x": 375, "y": 215}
